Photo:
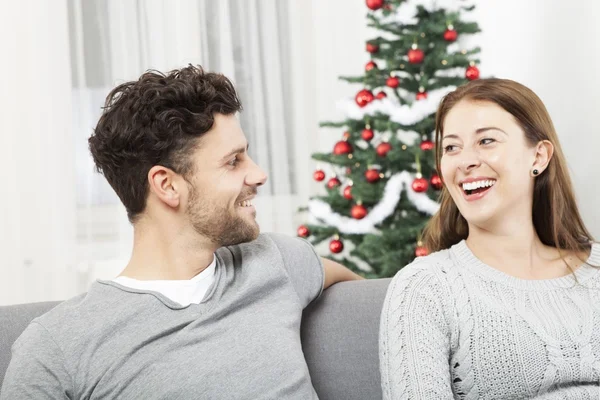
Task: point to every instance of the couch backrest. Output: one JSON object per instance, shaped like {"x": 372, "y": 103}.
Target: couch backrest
{"x": 339, "y": 338}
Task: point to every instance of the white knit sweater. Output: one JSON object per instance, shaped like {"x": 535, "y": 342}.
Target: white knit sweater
{"x": 455, "y": 328}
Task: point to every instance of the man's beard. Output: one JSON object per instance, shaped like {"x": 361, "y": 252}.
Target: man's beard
{"x": 218, "y": 223}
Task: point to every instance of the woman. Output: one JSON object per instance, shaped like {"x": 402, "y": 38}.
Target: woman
{"x": 507, "y": 305}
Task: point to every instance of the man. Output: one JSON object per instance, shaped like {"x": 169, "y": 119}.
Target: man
{"x": 206, "y": 308}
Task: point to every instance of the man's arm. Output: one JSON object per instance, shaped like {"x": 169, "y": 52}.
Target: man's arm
{"x": 335, "y": 272}
{"x": 36, "y": 369}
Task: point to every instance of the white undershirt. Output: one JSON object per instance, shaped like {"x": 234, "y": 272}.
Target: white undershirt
{"x": 184, "y": 292}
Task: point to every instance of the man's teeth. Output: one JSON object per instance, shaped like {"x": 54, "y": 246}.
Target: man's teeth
{"x": 477, "y": 185}
{"x": 245, "y": 203}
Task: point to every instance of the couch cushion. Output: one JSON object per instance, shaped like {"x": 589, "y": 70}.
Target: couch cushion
{"x": 340, "y": 337}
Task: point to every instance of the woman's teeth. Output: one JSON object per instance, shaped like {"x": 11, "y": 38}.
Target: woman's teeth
{"x": 477, "y": 184}
{"x": 245, "y": 203}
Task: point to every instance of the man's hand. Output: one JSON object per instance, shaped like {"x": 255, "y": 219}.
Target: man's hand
{"x": 335, "y": 272}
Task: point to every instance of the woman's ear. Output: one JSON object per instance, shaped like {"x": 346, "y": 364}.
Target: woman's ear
{"x": 543, "y": 154}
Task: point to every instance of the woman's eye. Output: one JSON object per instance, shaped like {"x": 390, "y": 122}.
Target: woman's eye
{"x": 487, "y": 141}
{"x": 449, "y": 148}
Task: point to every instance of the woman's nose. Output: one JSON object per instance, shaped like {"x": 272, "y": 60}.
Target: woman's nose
{"x": 469, "y": 160}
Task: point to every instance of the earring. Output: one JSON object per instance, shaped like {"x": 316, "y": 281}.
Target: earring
{"x": 535, "y": 172}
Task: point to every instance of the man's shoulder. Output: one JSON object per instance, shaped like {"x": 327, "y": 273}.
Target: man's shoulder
{"x": 63, "y": 310}
{"x": 265, "y": 244}
{"x": 273, "y": 253}
{"x": 75, "y": 316}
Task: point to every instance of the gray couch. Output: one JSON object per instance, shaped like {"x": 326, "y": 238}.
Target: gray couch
{"x": 339, "y": 337}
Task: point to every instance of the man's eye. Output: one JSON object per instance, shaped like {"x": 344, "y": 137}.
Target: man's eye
{"x": 234, "y": 162}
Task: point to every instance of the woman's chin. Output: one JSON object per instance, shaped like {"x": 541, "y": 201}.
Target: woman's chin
{"x": 480, "y": 218}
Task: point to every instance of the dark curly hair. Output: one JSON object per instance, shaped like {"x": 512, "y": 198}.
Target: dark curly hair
{"x": 156, "y": 120}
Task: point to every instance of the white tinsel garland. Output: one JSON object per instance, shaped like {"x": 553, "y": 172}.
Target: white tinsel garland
{"x": 409, "y": 138}
{"x": 321, "y": 211}
{"x": 405, "y": 14}
{"x": 458, "y": 72}
{"x": 402, "y": 114}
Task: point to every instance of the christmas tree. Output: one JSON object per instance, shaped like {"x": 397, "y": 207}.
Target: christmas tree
{"x": 381, "y": 184}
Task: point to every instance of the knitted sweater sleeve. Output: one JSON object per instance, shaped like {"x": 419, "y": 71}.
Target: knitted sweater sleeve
{"x": 414, "y": 339}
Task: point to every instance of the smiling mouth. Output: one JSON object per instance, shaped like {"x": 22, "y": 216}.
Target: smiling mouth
{"x": 477, "y": 187}
{"x": 245, "y": 203}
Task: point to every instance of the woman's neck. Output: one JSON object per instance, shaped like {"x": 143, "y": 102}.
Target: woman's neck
{"x": 518, "y": 251}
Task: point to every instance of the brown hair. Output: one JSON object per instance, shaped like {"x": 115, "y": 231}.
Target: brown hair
{"x": 555, "y": 215}
{"x": 156, "y": 120}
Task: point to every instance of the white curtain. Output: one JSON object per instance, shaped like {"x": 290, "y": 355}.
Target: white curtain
{"x": 37, "y": 186}
{"x": 62, "y": 226}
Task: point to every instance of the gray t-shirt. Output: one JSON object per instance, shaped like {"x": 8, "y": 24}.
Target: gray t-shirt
{"x": 241, "y": 342}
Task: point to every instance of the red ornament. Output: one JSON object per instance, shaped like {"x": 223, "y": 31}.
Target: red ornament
{"x": 348, "y": 192}
{"x": 421, "y": 251}
{"x": 364, "y": 97}
{"x": 472, "y": 73}
{"x": 383, "y": 148}
{"x": 342, "y": 147}
{"x": 372, "y": 175}
{"x": 303, "y": 231}
{"x": 436, "y": 182}
{"x": 358, "y": 211}
{"x": 336, "y": 246}
{"x": 421, "y": 95}
{"x": 319, "y": 175}
{"x": 381, "y": 95}
{"x": 372, "y": 48}
{"x": 450, "y": 35}
{"x": 392, "y": 82}
{"x": 415, "y": 56}
{"x": 375, "y": 4}
{"x": 370, "y": 65}
{"x": 333, "y": 183}
{"x": 420, "y": 185}
{"x": 367, "y": 134}
{"x": 426, "y": 145}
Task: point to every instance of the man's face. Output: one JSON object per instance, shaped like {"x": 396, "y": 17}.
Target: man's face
{"x": 222, "y": 185}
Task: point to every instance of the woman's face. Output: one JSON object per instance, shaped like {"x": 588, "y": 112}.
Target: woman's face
{"x": 487, "y": 164}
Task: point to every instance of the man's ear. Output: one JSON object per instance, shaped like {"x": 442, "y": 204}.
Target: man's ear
{"x": 165, "y": 185}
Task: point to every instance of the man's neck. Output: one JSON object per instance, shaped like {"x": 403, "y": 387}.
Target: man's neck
{"x": 168, "y": 254}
